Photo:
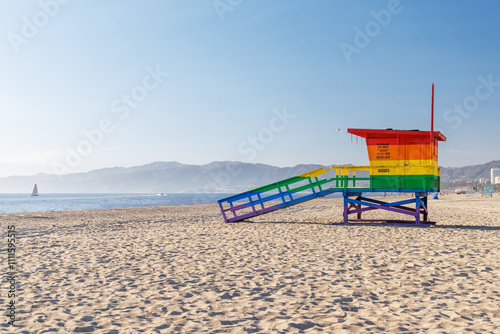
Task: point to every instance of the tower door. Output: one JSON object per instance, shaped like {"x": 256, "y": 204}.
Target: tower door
{"x": 414, "y": 152}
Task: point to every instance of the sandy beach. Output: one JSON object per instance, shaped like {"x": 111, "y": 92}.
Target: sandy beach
{"x": 182, "y": 270}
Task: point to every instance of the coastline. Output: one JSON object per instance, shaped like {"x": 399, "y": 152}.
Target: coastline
{"x": 181, "y": 269}
{"x": 19, "y": 203}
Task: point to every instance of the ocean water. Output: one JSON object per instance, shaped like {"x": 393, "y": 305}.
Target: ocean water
{"x": 16, "y": 203}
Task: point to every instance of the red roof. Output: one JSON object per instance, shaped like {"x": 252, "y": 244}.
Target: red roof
{"x": 388, "y": 133}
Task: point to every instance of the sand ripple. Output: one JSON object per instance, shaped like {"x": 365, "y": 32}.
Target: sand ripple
{"x": 182, "y": 270}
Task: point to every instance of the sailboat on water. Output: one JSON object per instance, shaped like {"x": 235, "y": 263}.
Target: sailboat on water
{"x": 35, "y": 191}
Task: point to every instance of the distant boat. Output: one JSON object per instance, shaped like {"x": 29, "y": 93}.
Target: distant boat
{"x": 35, "y": 191}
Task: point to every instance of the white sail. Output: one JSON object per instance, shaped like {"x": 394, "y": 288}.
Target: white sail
{"x": 35, "y": 191}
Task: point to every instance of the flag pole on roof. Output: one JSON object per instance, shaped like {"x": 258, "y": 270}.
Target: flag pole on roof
{"x": 432, "y": 122}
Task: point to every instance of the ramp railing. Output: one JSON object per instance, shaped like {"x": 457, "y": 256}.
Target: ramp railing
{"x": 291, "y": 191}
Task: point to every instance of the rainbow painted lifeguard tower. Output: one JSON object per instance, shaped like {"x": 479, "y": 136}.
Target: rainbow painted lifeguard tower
{"x": 401, "y": 161}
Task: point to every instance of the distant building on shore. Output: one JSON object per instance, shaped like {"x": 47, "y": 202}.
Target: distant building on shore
{"x": 495, "y": 175}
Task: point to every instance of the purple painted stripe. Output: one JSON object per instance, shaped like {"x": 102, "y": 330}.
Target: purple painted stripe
{"x": 376, "y": 207}
{"x": 388, "y": 208}
{"x": 251, "y": 214}
{"x": 386, "y": 222}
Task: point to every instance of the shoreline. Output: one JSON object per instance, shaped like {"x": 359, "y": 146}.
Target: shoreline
{"x": 333, "y": 200}
{"x": 15, "y": 203}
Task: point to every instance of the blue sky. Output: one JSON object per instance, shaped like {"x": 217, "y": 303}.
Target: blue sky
{"x": 93, "y": 84}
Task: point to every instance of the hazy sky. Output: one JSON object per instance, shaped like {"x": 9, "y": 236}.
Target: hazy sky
{"x": 92, "y": 84}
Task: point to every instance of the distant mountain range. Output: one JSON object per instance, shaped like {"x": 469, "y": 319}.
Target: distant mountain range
{"x": 469, "y": 173}
{"x": 174, "y": 177}
{"x": 158, "y": 177}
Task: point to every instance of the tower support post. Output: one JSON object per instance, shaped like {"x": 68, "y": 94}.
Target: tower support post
{"x": 416, "y": 207}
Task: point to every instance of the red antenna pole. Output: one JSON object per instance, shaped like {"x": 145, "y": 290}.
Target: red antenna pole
{"x": 432, "y": 122}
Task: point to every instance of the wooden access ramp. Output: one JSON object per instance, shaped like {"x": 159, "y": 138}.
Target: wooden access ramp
{"x": 289, "y": 192}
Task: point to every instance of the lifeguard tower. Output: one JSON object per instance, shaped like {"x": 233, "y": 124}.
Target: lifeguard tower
{"x": 401, "y": 161}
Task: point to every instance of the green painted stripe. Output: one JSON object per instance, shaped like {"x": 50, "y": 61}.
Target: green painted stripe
{"x": 429, "y": 183}
{"x": 402, "y": 182}
{"x": 279, "y": 184}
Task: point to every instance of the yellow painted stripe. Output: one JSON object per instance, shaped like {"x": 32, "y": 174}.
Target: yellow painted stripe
{"x": 387, "y": 169}
{"x": 416, "y": 163}
{"x": 314, "y": 173}
{"x": 409, "y": 170}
